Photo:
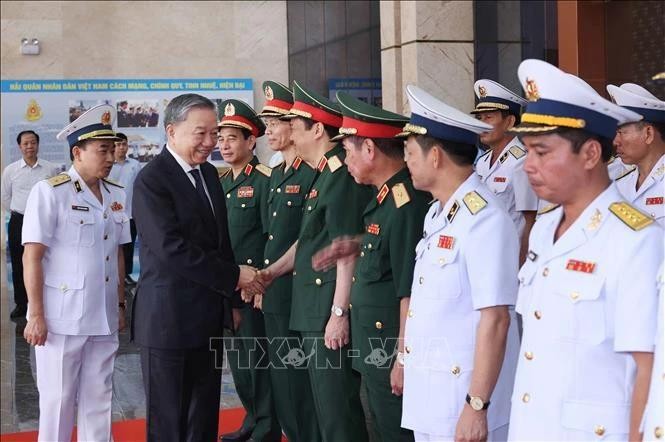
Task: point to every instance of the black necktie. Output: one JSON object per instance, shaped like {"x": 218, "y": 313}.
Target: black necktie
{"x": 196, "y": 173}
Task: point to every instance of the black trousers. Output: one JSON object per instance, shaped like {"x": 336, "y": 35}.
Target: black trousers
{"x": 182, "y": 389}
{"x": 128, "y": 249}
{"x": 16, "y": 254}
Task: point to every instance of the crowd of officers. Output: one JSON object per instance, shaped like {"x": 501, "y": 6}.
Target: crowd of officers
{"x": 515, "y": 294}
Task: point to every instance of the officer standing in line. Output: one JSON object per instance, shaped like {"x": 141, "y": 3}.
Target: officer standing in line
{"x": 289, "y": 183}
{"x": 501, "y": 167}
{"x": 75, "y": 225}
{"x": 461, "y": 340}
{"x": 653, "y": 424}
{"x": 246, "y": 186}
{"x": 320, "y": 303}
{"x": 18, "y": 178}
{"x": 382, "y": 281}
{"x": 587, "y": 292}
{"x": 642, "y": 144}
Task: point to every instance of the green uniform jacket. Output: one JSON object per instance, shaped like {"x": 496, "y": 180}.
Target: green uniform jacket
{"x": 333, "y": 208}
{"x": 247, "y": 212}
{"x": 384, "y": 271}
{"x": 288, "y": 189}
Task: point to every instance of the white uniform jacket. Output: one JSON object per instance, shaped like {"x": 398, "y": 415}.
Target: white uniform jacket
{"x": 649, "y": 197}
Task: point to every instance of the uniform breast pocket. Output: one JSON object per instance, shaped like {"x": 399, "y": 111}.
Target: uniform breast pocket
{"x": 121, "y": 221}
{"x": 245, "y": 213}
{"x": 582, "y": 305}
{"x": 444, "y": 279}
{"x": 499, "y": 184}
{"x": 81, "y": 229}
{"x": 371, "y": 264}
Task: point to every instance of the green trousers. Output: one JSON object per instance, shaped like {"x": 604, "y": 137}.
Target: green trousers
{"x": 384, "y": 406}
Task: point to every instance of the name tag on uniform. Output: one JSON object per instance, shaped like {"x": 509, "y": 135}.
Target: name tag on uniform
{"x": 81, "y": 208}
{"x": 116, "y": 206}
{"x": 446, "y": 242}
{"x": 245, "y": 192}
{"x": 373, "y": 229}
{"x": 655, "y": 200}
{"x": 580, "y": 266}
{"x": 294, "y": 188}
{"x": 499, "y": 179}
{"x": 313, "y": 194}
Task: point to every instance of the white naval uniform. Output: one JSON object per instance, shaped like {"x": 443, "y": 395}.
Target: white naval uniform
{"x": 653, "y": 425}
{"x": 587, "y": 301}
{"x": 464, "y": 263}
{"x": 649, "y": 197}
{"x": 503, "y": 178}
{"x": 80, "y": 296}
{"x": 616, "y": 168}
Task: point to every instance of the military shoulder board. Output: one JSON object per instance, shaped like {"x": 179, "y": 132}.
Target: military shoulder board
{"x": 400, "y": 195}
{"x": 226, "y": 172}
{"x": 630, "y": 216}
{"x": 517, "y": 152}
{"x": 334, "y": 163}
{"x": 267, "y": 171}
{"x": 113, "y": 183}
{"x": 474, "y": 202}
{"x": 59, "y": 179}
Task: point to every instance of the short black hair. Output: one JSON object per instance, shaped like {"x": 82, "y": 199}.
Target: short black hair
{"x": 81, "y": 145}
{"x": 26, "y": 132}
{"x": 390, "y": 147}
{"x": 121, "y": 135}
{"x": 577, "y": 137}
{"x": 330, "y": 130}
{"x": 659, "y": 126}
{"x": 462, "y": 154}
{"x": 505, "y": 113}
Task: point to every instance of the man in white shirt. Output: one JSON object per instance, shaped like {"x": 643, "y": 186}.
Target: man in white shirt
{"x": 124, "y": 172}
{"x": 17, "y": 181}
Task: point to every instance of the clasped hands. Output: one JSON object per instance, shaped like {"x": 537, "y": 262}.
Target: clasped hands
{"x": 253, "y": 282}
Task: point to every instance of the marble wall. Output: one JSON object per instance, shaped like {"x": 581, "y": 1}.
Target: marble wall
{"x": 126, "y": 39}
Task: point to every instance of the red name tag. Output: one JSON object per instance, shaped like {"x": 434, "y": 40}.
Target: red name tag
{"x": 313, "y": 194}
{"x": 295, "y": 188}
{"x": 499, "y": 179}
{"x": 580, "y": 266}
{"x": 446, "y": 242}
{"x": 246, "y": 192}
{"x": 373, "y": 229}
{"x": 654, "y": 200}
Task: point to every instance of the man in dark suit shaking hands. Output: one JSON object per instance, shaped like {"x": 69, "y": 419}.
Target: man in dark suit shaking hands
{"x": 188, "y": 276}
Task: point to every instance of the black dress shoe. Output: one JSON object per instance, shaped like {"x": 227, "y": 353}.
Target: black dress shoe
{"x": 241, "y": 435}
{"x": 19, "y": 311}
{"x": 129, "y": 280}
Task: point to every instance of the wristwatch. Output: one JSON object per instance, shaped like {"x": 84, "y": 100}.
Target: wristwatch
{"x": 338, "y": 311}
{"x": 477, "y": 403}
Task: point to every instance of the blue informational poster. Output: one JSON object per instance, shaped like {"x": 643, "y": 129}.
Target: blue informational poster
{"x": 366, "y": 89}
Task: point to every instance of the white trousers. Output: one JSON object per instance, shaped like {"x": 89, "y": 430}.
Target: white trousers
{"x": 497, "y": 435}
{"x": 71, "y": 370}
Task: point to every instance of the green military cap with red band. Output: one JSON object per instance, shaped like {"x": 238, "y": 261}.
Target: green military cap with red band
{"x": 364, "y": 120}
{"x": 309, "y": 104}
{"x": 279, "y": 99}
{"x": 240, "y": 115}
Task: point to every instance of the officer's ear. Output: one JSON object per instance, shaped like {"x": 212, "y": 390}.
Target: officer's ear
{"x": 170, "y": 130}
{"x": 591, "y": 152}
{"x": 369, "y": 147}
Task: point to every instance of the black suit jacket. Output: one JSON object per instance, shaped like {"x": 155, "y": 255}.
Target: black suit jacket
{"x": 188, "y": 272}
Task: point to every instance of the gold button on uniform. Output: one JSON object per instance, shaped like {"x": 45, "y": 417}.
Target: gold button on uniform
{"x": 243, "y": 205}
{"x": 353, "y": 279}
{"x": 658, "y": 432}
{"x": 270, "y": 237}
{"x": 546, "y": 271}
{"x": 378, "y": 325}
{"x": 442, "y": 261}
{"x": 362, "y": 254}
{"x": 407, "y": 349}
{"x": 369, "y": 246}
{"x": 279, "y": 190}
{"x": 599, "y": 430}
{"x": 249, "y": 261}
{"x": 228, "y": 195}
{"x": 410, "y": 313}
{"x": 294, "y": 273}
{"x": 266, "y": 261}
{"x": 574, "y": 296}
{"x": 288, "y": 203}
{"x": 526, "y": 397}
{"x": 309, "y": 208}
{"x": 528, "y": 355}
{"x": 455, "y": 370}
{"x": 318, "y": 281}
{"x": 420, "y": 280}
{"x": 537, "y": 314}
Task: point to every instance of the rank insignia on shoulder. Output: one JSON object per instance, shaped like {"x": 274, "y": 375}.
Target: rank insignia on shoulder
{"x": 383, "y": 192}
{"x": 499, "y": 179}
{"x": 474, "y": 202}
{"x": 400, "y": 194}
{"x": 334, "y": 163}
{"x": 452, "y": 212}
{"x": 292, "y": 188}
{"x": 77, "y": 186}
{"x": 248, "y": 168}
{"x": 625, "y": 174}
{"x": 245, "y": 192}
{"x": 267, "y": 171}
{"x": 630, "y": 216}
{"x": 373, "y": 229}
{"x": 654, "y": 200}
{"x": 532, "y": 256}
{"x": 296, "y": 163}
{"x": 226, "y": 172}
{"x": 59, "y": 179}
{"x": 548, "y": 208}
{"x": 446, "y": 242}
{"x": 322, "y": 164}
{"x": 81, "y": 208}
{"x": 113, "y": 183}
{"x": 116, "y": 206}
{"x": 517, "y": 152}
{"x": 580, "y": 266}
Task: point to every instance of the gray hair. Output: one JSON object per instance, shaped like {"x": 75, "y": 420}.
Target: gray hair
{"x": 179, "y": 107}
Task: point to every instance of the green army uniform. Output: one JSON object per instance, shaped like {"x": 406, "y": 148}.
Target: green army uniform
{"x": 393, "y": 222}
{"x": 247, "y": 213}
{"x": 333, "y": 209}
{"x": 289, "y": 184}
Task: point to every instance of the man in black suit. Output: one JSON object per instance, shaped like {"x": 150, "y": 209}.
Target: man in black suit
{"x": 188, "y": 279}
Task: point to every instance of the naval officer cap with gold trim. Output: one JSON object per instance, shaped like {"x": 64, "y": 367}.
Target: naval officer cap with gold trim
{"x": 434, "y": 118}
{"x": 367, "y": 121}
{"x": 279, "y": 99}
{"x": 561, "y": 100}
{"x": 309, "y": 104}
{"x": 94, "y": 124}
{"x": 240, "y": 115}
{"x": 638, "y": 99}
{"x": 493, "y": 96}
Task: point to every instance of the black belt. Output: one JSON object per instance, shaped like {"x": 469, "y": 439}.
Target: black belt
{"x": 20, "y": 215}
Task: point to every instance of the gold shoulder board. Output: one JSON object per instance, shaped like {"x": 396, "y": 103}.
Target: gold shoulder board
{"x": 630, "y": 216}
{"x": 224, "y": 172}
{"x": 400, "y": 194}
{"x": 113, "y": 183}
{"x": 548, "y": 208}
{"x": 626, "y": 173}
{"x": 517, "y": 152}
{"x": 59, "y": 179}
{"x": 474, "y": 202}
{"x": 267, "y": 171}
{"x": 334, "y": 163}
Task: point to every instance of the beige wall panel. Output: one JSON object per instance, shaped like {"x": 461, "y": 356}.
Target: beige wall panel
{"x": 437, "y": 20}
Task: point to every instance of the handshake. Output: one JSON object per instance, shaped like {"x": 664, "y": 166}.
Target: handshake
{"x": 252, "y": 284}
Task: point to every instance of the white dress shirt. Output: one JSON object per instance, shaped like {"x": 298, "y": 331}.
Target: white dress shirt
{"x": 649, "y": 197}
{"x": 125, "y": 173}
{"x": 19, "y": 178}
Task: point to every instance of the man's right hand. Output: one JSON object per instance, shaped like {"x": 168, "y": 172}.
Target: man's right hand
{"x": 35, "y": 330}
{"x": 248, "y": 280}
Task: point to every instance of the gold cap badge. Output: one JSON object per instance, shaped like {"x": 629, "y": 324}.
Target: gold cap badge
{"x": 269, "y": 94}
{"x": 34, "y": 112}
{"x": 482, "y": 91}
{"x": 229, "y": 110}
{"x": 106, "y": 117}
{"x": 531, "y": 90}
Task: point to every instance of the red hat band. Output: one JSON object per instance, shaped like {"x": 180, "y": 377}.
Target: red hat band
{"x": 317, "y": 114}
{"x": 370, "y": 130}
{"x": 283, "y": 105}
{"x": 242, "y": 122}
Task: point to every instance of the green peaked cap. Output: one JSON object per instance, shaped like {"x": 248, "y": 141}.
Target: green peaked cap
{"x": 364, "y": 120}
{"x": 279, "y": 99}
{"x": 240, "y": 115}
{"x": 308, "y": 104}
